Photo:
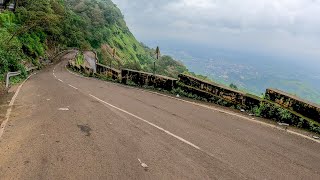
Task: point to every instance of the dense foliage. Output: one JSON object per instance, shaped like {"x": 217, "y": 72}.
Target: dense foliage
{"x": 38, "y": 26}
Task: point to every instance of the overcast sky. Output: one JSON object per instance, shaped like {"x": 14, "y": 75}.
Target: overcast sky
{"x": 288, "y": 28}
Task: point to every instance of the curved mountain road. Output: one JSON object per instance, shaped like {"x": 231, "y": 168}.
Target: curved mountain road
{"x": 65, "y": 126}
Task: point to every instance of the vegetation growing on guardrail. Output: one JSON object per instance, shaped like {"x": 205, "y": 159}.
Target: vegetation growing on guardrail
{"x": 79, "y": 58}
{"x": 257, "y": 106}
{"x": 266, "y": 109}
{"x": 294, "y": 103}
{"x": 270, "y": 110}
{"x": 108, "y": 72}
{"x": 254, "y": 105}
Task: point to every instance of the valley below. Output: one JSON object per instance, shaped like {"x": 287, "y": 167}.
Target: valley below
{"x": 255, "y": 76}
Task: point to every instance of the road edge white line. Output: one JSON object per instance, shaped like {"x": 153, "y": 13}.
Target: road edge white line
{"x": 4, "y": 123}
{"x": 72, "y": 86}
{"x": 212, "y": 108}
{"x": 151, "y": 124}
{"x": 234, "y": 114}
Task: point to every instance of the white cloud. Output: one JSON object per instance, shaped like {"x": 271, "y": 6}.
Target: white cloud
{"x": 289, "y": 27}
{"x": 287, "y": 15}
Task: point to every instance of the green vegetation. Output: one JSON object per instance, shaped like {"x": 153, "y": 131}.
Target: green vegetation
{"x": 276, "y": 112}
{"x": 80, "y": 59}
{"x": 266, "y": 109}
{"x": 39, "y": 26}
{"x": 105, "y": 26}
{"x": 233, "y": 86}
{"x": 11, "y": 57}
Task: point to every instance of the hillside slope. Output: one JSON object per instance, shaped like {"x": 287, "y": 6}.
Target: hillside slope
{"x": 39, "y": 26}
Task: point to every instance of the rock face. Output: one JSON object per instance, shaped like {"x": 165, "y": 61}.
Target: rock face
{"x": 91, "y": 59}
{"x": 294, "y": 103}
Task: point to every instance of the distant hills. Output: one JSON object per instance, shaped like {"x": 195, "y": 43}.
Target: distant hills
{"x": 254, "y": 74}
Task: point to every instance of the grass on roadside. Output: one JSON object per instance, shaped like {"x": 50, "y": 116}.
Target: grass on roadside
{"x": 266, "y": 109}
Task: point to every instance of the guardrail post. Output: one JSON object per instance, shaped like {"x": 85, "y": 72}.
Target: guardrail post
{"x": 10, "y": 74}
{"x": 7, "y": 80}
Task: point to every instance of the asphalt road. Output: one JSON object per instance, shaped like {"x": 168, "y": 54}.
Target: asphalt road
{"x": 64, "y": 126}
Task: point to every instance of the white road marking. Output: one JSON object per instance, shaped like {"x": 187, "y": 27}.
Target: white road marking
{"x": 63, "y": 109}
{"x": 4, "y": 123}
{"x": 151, "y": 124}
{"x": 54, "y": 71}
{"x": 60, "y": 80}
{"x": 233, "y": 114}
{"x": 211, "y": 108}
{"x": 72, "y": 86}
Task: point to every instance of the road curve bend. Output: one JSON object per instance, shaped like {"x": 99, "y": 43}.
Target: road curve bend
{"x": 64, "y": 126}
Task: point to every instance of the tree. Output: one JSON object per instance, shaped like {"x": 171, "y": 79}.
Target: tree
{"x": 36, "y": 15}
{"x": 233, "y": 86}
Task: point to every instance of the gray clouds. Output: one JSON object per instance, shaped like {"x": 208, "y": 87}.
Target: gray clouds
{"x": 281, "y": 27}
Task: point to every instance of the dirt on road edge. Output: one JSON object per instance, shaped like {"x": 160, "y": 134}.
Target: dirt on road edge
{"x": 5, "y": 98}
